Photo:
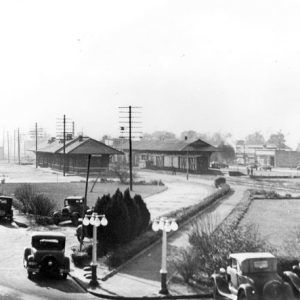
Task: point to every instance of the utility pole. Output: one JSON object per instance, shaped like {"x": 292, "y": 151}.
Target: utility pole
{"x": 130, "y": 150}
{"x": 3, "y": 142}
{"x": 187, "y": 161}
{"x": 131, "y": 111}
{"x": 14, "y": 145}
{"x": 64, "y": 158}
{"x": 8, "y": 147}
{"x": 19, "y": 153}
{"x": 73, "y": 129}
{"x": 64, "y": 128}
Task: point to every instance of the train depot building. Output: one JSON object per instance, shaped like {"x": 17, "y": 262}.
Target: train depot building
{"x": 75, "y": 155}
{"x": 170, "y": 155}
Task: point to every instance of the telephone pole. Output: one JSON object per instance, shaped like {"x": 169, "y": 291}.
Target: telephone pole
{"x": 64, "y": 131}
{"x": 8, "y": 147}
{"x": 19, "y": 150}
{"x": 127, "y": 131}
{"x": 64, "y": 155}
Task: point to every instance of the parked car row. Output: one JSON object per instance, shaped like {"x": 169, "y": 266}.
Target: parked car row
{"x": 218, "y": 165}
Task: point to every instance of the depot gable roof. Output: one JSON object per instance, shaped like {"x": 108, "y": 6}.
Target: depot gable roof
{"x": 79, "y": 145}
{"x": 170, "y": 146}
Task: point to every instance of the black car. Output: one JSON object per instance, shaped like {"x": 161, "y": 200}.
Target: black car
{"x": 47, "y": 255}
{"x": 72, "y": 210}
{"x": 6, "y": 212}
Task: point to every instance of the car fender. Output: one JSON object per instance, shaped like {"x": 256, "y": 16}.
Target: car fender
{"x": 57, "y": 214}
{"x": 249, "y": 291}
{"x": 27, "y": 252}
{"x": 293, "y": 279}
{"x": 221, "y": 284}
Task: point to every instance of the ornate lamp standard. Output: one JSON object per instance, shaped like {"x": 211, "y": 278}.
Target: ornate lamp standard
{"x": 165, "y": 225}
{"x": 96, "y": 222}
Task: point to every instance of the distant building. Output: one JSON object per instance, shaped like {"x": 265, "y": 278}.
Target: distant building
{"x": 168, "y": 154}
{"x": 266, "y": 155}
{"x": 76, "y": 155}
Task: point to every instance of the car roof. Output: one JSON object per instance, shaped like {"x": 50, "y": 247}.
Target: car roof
{"x": 250, "y": 255}
{"x": 48, "y": 234}
{"x": 5, "y": 197}
{"x": 75, "y": 197}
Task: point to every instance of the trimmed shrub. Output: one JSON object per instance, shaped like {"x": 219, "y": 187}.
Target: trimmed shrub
{"x": 126, "y": 218}
{"x": 143, "y": 213}
{"x": 219, "y": 181}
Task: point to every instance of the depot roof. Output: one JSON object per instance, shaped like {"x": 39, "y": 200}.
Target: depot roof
{"x": 170, "y": 146}
{"x": 79, "y": 145}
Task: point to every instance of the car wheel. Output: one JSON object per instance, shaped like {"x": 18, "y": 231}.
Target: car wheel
{"x": 74, "y": 219}
{"x": 56, "y": 219}
{"x": 64, "y": 275}
{"x": 30, "y": 275}
{"x": 242, "y": 296}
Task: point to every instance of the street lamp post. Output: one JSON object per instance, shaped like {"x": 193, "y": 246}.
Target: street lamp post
{"x": 96, "y": 222}
{"x": 165, "y": 225}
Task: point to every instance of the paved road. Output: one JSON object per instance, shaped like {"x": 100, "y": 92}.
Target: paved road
{"x": 14, "y": 283}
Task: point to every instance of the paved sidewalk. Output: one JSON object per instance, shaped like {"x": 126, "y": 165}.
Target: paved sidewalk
{"x": 141, "y": 277}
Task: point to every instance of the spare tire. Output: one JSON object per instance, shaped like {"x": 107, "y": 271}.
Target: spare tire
{"x": 273, "y": 290}
{"x": 49, "y": 265}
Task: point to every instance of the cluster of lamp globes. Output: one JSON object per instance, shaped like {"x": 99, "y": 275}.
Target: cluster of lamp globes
{"x": 95, "y": 220}
{"x": 164, "y": 224}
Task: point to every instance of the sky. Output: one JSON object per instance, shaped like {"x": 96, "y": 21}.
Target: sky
{"x": 209, "y": 66}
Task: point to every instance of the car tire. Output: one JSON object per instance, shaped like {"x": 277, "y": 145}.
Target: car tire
{"x": 64, "y": 275}
{"x": 56, "y": 219}
{"x": 242, "y": 296}
{"x": 30, "y": 275}
{"x": 74, "y": 219}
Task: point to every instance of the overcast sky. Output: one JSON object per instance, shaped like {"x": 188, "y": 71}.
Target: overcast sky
{"x": 229, "y": 66}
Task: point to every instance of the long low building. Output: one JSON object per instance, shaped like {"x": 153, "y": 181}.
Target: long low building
{"x": 76, "y": 154}
{"x": 168, "y": 155}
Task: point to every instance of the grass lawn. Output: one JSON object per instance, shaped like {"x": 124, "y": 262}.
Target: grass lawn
{"x": 277, "y": 220}
{"x": 59, "y": 191}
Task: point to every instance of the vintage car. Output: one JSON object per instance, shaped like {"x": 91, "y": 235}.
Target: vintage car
{"x": 47, "y": 255}
{"x": 73, "y": 209}
{"x": 293, "y": 278}
{"x": 6, "y": 211}
{"x": 251, "y": 276}
{"x": 266, "y": 167}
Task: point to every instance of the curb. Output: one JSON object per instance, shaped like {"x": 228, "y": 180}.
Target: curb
{"x": 117, "y": 297}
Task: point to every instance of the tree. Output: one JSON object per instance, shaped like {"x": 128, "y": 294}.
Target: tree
{"x": 163, "y": 135}
{"x": 277, "y": 139}
{"x": 255, "y": 138}
{"x": 225, "y": 153}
